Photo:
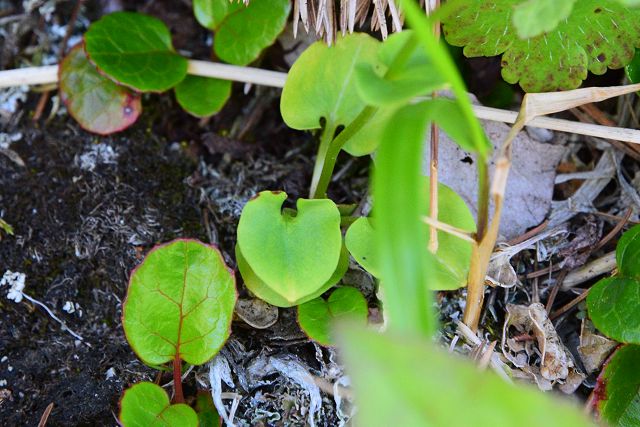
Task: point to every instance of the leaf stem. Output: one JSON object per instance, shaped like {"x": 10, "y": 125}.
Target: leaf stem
{"x": 177, "y": 380}
{"x": 319, "y": 169}
{"x": 328, "y": 151}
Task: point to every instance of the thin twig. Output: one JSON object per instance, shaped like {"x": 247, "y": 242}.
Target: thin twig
{"x": 555, "y": 289}
{"x": 619, "y": 226}
{"x": 45, "y": 415}
{"x": 595, "y": 268}
{"x": 562, "y": 310}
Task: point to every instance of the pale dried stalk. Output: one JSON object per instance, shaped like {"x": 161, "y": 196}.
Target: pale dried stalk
{"x": 49, "y": 75}
{"x": 595, "y": 268}
{"x": 447, "y": 228}
{"x": 533, "y": 105}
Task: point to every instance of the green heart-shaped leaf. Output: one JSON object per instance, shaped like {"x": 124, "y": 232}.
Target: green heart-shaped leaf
{"x": 294, "y": 255}
{"x": 617, "y": 391}
{"x": 628, "y": 253}
{"x": 321, "y": 83}
{"x": 598, "y": 34}
{"x": 417, "y": 77}
{"x": 179, "y": 303}
{"x": 97, "y": 103}
{"x": 405, "y": 380}
{"x": 317, "y": 316}
{"x": 613, "y": 308}
{"x": 273, "y": 295}
{"x": 147, "y": 404}
{"x": 202, "y": 96}
{"x": 135, "y": 50}
{"x": 449, "y": 266}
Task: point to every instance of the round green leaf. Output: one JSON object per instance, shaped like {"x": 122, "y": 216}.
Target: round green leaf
{"x": 628, "y": 253}
{"x": 534, "y": 17}
{"x": 449, "y": 266}
{"x": 361, "y": 243}
{"x": 618, "y": 388}
{"x": 147, "y": 404}
{"x": 317, "y": 316}
{"x": 417, "y": 77}
{"x": 98, "y": 104}
{"x": 211, "y": 13}
{"x": 294, "y": 254}
{"x": 597, "y": 35}
{"x": 326, "y": 75}
{"x": 273, "y": 295}
{"x": 613, "y": 308}
{"x": 179, "y": 303}
{"x": 247, "y": 30}
{"x": 202, "y": 96}
{"x": 135, "y": 50}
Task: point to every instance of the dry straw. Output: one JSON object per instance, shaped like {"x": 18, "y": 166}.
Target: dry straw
{"x": 553, "y": 102}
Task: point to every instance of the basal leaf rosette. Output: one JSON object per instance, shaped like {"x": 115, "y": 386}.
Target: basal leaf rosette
{"x": 135, "y": 50}
{"x": 147, "y": 404}
{"x": 179, "y": 303}
{"x": 98, "y": 104}
{"x": 598, "y": 34}
{"x": 289, "y": 257}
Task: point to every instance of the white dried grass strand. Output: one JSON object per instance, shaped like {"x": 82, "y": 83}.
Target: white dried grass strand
{"x": 606, "y": 132}
{"x": 395, "y": 16}
{"x": 304, "y": 14}
{"x": 329, "y": 22}
{"x": 351, "y": 13}
{"x": 29, "y": 76}
{"x": 237, "y": 73}
{"x": 49, "y": 75}
{"x": 381, "y": 21}
{"x": 343, "y": 17}
{"x": 322, "y": 7}
{"x": 540, "y": 104}
{"x": 296, "y": 17}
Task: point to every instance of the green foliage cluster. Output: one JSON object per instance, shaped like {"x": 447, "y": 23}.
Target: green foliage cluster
{"x": 546, "y": 45}
{"x": 368, "y": 97}
{"x": 125, "y": 54}
{"x": 178, "y": 309}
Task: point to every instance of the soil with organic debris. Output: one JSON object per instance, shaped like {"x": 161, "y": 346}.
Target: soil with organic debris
{"x": 86, "y": 209}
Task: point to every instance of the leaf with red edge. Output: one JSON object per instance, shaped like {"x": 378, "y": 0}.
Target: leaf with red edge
{"x": 179, "y": 303}
{"x": 98, "y": 104}
{"x": 617, "y": 392}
